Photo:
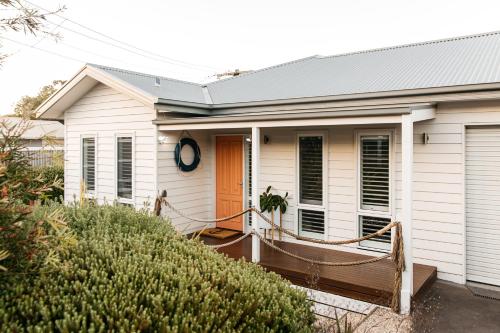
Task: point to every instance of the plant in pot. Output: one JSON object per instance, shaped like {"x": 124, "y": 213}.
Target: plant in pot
{"x": 274, "y": 204}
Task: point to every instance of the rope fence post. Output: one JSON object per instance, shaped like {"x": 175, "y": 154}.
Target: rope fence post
{"x": 255, "y": 193}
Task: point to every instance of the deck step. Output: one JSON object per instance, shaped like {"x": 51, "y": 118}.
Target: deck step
{"x": 326, "y": 302}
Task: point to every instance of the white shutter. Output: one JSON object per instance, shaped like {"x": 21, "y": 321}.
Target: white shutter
{"x": 124, "y": 167}
{"x": 482, "y": 171}
{"x": 375, "y": 172}
{"x": 88, "y": 163}
{"x": 311, "y": 221}
{"x": 311, "y": 210}
{"x": 311, "y": 169}
{"x": 374, "y": 188}
{"x": 371, "y": 224}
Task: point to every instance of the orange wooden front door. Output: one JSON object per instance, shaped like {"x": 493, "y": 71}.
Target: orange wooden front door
{"x": 229, "y": 188}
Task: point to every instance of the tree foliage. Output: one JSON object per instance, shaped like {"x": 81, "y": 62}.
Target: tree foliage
{"x": 27, "y": 105}
{"x": 20, "y": 187}
{"x": 22, "y": 17}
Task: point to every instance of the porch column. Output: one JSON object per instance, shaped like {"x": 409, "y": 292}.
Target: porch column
{"x": 406, "y": 209}
{"x": 255, "y": 191}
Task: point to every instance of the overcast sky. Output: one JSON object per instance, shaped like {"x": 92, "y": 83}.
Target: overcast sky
{"x": 206, "y": 37}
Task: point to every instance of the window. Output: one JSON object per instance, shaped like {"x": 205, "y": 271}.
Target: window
{"x": 88, "y": 163}
{"x": 124, "y": 167}
{"x": 375, "y": 188}
{"x": 311, "y": 165}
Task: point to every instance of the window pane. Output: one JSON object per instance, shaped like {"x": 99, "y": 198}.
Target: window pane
{"x": 311, "y": 170}
{"x": 88, "y": 163}
{"x": 124, "y": 167}
{"x": 371, "y": 224}
{"x": 374, "y": 171}
{"x": 312, "y": 221}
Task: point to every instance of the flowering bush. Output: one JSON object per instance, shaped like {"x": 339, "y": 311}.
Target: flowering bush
{"x": 130, "y": 271}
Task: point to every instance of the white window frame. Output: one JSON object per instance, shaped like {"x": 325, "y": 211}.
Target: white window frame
{"x": 89, "y": 194}
{"x": 390, "y": 213}
{"x": 324, "y": 205}
{"x": 131, "y": 135}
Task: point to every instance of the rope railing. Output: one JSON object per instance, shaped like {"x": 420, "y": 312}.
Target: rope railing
{"x": 396, "y": 255}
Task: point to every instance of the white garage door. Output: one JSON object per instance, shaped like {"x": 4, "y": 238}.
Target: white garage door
{"x": 483, "y": 204}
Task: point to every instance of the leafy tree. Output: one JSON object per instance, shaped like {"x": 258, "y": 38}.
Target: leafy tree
{"x": 20, "y": 187}
{"x": 25, "y": 18}
{"x": 27, "y": 105}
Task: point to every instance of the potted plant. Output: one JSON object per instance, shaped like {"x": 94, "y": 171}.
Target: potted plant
{"x": 275, "y": 205}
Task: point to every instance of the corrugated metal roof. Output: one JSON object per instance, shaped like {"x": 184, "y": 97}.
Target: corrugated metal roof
{"x": 37, "y": 129}
{"x": 443, "y": 63}
{"x": 167, "y": 89}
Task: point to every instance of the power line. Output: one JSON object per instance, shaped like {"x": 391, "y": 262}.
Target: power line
{"x": 107, "y": 43}
{"x": 130, "y": 46}
{"x": 33, "y": 46}
{"x": 43, "y": 50}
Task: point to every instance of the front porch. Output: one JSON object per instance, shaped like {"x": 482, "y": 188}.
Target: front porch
{"x": 347, "y": 175}
{"x": 367, "y": 282}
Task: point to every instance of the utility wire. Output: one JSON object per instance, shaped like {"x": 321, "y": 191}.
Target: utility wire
{"x": 130, "y": 46}
{"x": 33, "y": 46}
{"x": 108, "y": 43}
{"x": 43, "y": 50}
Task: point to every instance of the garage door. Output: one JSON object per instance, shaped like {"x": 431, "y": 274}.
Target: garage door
{"x": 483, "y": 204}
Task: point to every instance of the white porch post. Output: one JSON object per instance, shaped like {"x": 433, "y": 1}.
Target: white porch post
{"x": 255, "y": 191}
{"x": 406, "y": 209}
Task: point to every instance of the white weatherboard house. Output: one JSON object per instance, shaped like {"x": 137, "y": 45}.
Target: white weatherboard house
{"x": 408, "y": 133}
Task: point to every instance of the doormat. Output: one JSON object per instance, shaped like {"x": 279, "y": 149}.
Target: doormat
{"x": 485, "y": 291}
{"x": 219, "y": 233}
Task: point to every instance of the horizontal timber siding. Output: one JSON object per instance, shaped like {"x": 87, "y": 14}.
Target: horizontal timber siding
{"x": 105, "y": 112}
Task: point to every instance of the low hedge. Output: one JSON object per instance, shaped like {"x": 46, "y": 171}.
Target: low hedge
{"x": 132, "y": 272}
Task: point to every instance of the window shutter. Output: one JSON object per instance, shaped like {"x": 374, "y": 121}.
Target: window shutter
{"x": 375, "y": 172}
{"x": 311, "y": 170}
{"x": 124, "y": 167}
{"x": 88, "y": 163}
{"x": 371, "y": 224}
{"x": 312, "y": 221}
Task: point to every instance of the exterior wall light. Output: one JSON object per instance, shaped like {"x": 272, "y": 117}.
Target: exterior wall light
{"x": 162, "y": 139}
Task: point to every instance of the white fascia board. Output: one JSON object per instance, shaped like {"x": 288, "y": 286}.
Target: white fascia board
{"x": 393, "y": 119}
{"x": 88, "y": 77}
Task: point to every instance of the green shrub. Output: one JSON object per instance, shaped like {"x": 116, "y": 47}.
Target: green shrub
{"x": 51, "y": 174}
{"x": 21, "y": 238}
{"x": 133, "y": 272}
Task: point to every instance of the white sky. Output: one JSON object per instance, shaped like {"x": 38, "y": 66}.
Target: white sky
{"x": 229, "y": 34}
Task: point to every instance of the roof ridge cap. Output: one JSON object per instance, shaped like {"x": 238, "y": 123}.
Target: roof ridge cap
{"x": 435, "y": 41}
{"x": 142, "y": 74}
{"x": 264, "y": 69}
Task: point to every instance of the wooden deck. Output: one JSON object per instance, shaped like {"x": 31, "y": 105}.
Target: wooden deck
{"x": 368, "y": 282}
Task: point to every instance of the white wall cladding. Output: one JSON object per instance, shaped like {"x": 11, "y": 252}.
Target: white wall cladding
{"x": 438, "y": 216}
{"x": 192, "y": 192}
{"x": 439, "y": 209}
{"x": 106, "y": 112}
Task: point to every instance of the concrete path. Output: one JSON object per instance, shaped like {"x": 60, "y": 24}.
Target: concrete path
{"x": 448, "y": 307}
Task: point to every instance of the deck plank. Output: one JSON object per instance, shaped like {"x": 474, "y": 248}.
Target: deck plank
{"x": 368, "y": 282}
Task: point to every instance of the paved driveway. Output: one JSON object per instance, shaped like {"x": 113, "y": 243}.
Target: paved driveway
{"x": 449, "y": 307}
